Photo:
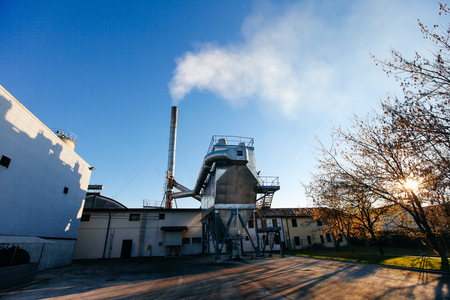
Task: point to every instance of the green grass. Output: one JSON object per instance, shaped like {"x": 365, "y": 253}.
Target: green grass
{"x": 425, "y": 263}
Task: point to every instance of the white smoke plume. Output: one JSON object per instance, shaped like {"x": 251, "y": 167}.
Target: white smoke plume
{"x": 300, "y": 56}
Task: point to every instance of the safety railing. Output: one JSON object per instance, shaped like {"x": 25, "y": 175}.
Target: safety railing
{"x": 268, "y": 181}
{"x": 230, "y": 140}
{"x": 64, "y": 134}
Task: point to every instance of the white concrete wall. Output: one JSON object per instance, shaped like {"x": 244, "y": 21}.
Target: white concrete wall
{"x": 156, "y": 237}
{"x": 32, "y": 198}
{"x": 92, "y": 234}
{"x": 91, "y": 237}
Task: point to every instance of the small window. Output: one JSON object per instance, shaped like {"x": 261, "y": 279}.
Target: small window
{"x": 186, "y": 241}
{"x": 246, "y": 238}
{"x": 85, "y": 217}
{"x": 162, "y": 216}
{"x": 66, "y": 190}
{"x": 135, "y": 217}
{"x": 294, "y": 222}
{"x": 274, "y": 222}
{"x": 240, "y": 153}
{"x": 263, "y": 223}
{"x": 196, "y": 240}
{"x": 251, "y": 224}
{"x": 309, "y": 240}
{"x": 5, "y": 161}
{"x": 297, "y": 240}
{"x": 328, "y": 236}
{"x": 322, "y": 240}
{"x": 319, "y": 223}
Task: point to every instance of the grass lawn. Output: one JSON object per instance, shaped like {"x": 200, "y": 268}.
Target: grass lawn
{"x": 426, "y": 263}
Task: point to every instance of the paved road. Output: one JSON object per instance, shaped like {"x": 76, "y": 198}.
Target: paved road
{"x": 201, "y": 278}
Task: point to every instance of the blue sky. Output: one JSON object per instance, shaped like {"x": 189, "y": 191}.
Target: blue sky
{"x": 279, "y": 72}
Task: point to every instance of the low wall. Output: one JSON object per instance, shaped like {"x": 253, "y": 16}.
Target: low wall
{"x": 17, "y": 275}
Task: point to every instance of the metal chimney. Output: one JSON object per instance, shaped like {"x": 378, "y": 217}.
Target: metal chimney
{"x": 171, "y": 159}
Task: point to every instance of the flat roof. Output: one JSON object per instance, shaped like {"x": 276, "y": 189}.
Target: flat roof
{"x": 17, "y": 239}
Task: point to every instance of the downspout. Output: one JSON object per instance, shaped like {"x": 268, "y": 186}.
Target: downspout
{"x": 107, "y": 233}
{"x": 289, "y": 234}
{"x": 284, "y": 231}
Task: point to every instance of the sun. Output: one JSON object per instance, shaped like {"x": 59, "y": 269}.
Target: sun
{"x": 411, "y": 183}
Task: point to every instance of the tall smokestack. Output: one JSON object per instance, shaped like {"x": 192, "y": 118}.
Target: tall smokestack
{"x": 171, "y": 160}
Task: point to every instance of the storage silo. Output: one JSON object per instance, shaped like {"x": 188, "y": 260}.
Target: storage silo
{"x": 227, "y": 186}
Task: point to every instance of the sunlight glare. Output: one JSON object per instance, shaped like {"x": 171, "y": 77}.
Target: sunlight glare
{"x": 411, "y": 183}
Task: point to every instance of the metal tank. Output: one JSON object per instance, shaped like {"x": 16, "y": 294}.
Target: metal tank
{"x": 227, "y": 186}
{"x": 229, "y": 192}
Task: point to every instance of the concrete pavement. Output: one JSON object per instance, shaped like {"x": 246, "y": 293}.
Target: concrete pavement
{"x": 197, "y": 277}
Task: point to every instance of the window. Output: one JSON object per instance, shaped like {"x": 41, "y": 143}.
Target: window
{"x": 264, "y": 223}
{"x": 322, "y": 240}
{"x": 277, "y": 239}
{"x": 274, "y": 222}
{"x": 196, "y": 240}
{"x": 5, "y": 161}
{"x": 246, "y": 238}
{"x": 294, "y": 222}
{"x": 328, "y": 236}
{"x": 309, "y": 240}
{"x": 66, "y": 190}
{"x": 251, "y": 224}
{"x": 162, "y": 216}
{"x": 297, "y": 240}
{"x": 240, "y": 153}
{"x": 85, "y": 217}
{"x": 319, "y": 223}
{"x": 186, "y": 241}
{"x": 135, "y": 217}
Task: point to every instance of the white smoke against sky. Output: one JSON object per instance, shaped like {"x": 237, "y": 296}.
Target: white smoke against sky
{"x": 302, "y": 56}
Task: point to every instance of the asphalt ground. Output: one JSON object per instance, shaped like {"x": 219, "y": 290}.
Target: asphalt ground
{"x": 198, "y": 277}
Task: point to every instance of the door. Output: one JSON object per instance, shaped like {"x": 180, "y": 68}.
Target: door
{"x": 126, "y": 249}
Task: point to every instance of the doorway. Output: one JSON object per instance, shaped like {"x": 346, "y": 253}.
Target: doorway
{"x": 126, "y": 249}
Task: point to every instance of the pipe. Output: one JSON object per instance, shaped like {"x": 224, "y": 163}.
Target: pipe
{"x": 171, "y": 160}
{"x": 210, "y": 159}
{"x": 107, "y": 233}
{"x": 182, "y": 188}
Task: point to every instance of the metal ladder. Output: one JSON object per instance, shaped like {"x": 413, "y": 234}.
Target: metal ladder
{"x": 265, "y": 202}
{"x": 143, "y": 226}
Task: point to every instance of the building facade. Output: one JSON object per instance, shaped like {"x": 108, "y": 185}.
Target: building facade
{"x": 43, "y": 184}
{"x": 302, "y": 231}
{"x": 110, "y": 230}
{"x": 122, "y": 233}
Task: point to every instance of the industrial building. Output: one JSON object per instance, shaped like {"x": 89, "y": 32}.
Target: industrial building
{"x": 49, "y": 213}
{"x": 43, "y": 185}
{"x": 234, "y": 215}
{"x": 110, "y": 230}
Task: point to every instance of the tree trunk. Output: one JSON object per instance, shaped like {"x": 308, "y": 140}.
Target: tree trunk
{"x": 377, "y": 241}
{"x": 439, "y": 249}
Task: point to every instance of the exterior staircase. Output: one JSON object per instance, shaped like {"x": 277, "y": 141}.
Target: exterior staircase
{"x": 267, "y": 186}
{"x": 265, "y": 202}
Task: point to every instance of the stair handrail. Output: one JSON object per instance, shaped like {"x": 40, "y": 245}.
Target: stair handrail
{"x": 268, "y": 181}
